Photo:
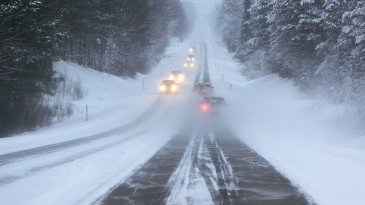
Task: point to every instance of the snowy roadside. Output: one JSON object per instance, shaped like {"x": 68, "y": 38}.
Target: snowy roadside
{"x": 112, "y": 101}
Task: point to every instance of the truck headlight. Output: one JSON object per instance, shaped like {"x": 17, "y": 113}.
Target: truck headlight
{"x": 181, "y": 77}
{"x": 162, "y": 88}
{"x": 174, "y": 88}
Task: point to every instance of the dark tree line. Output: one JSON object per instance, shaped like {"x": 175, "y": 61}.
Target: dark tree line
{"x": 318, "y": 43}
{"x": 122, "y": 37}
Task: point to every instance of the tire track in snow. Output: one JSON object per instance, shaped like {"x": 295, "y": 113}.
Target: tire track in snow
{"x": 204, "y": 176}
{"x": 187, "y": 185}
{"x": 225, "y": 182}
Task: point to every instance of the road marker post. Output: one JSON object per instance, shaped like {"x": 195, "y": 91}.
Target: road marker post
{"x": 87, "y": 113}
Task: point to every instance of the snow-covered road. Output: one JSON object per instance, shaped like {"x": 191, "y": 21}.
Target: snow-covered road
{"x": 274, "y": 144}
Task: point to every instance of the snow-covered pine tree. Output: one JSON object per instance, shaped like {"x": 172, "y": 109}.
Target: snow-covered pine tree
{"x": 230, "y": 23}
{"x": 318, "y": 43}
{"x": 256, "y": 43}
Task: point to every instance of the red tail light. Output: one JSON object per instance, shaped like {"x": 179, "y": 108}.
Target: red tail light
{"x": 204, "y": 107}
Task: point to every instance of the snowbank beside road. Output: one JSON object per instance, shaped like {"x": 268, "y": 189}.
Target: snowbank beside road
{"x": 312, "y": 142}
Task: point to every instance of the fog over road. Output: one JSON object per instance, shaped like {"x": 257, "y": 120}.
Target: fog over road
{"x": 205, "y": 164}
